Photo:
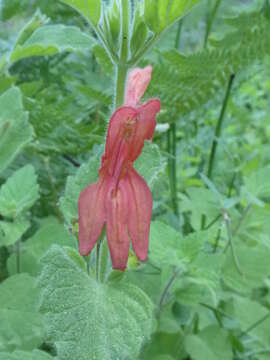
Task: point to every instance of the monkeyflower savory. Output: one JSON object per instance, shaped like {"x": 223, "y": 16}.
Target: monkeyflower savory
{"x": 121, "y": 198}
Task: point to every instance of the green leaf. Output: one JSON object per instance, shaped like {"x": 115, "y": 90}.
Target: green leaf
{"x": 87, "y": 173}
{"x": 160, "y": 14}
{"x": 254, "y": 265}
{"x": 150, "y": 164}
{"x": 12, "y": 8}
{"x": 37, "y": 21}
{"x": 26, "y": 355}
{"x": 52, "y": 39}
{"x": 253, "y": 317}
{"x": 89, "y": 320}
{"x": 201, "y": 201}
{"x": 50, "y": 232}
{"x": 15, "y": 131}
{"x": 257, "y": 184}
{"x": 90, "y": 9}
{"x": 103, "y": 59}
{"x": 19, "y": 193}
{"x": 21, "y": 326}
{"x": 24, "y": 287}
{"x": 163, "y": 245}
{"x": 211, "y": 343}
{"x": 11, "y": 232}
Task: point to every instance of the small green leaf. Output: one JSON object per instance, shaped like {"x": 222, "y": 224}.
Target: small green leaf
{"x": 21, "y": 326}
{"x": 50, "y": 232}
{"x": 103, "y": 59}
{"x": 160, "y": 14}
{"x": 89, "y": 320}
{"x": 19, "y": 193}
{"x": 254, "y": 265}
{"x": 11, "y": 232}
{"x": 164, "y": 243}
{"x": 90, "y": 9}
{"x": 211, "y": 343}
{"x": 15, "y": 131}
{"x": 26, "y": 355}
{"x": 139, "y": 32}
{"x": 201, "y": 201}
{"x": 150, "y": 164}
{"x": 37, "y": 21}
{"x": 257, "y": 184}
{"x": 86, "y": 174}
{"x": 53, "y": 39}
{"x": 253, "y": 317}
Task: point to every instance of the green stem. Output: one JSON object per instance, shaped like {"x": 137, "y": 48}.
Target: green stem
{"x": 172, "y": 142}
{"x": 98, "y": 259}
{"x": 124, "y": 30}
{"x": 219, "y": 127}
{"x": 174, "y": 172}
{"x": 104, "y": 261}
{"x": 121, "y": 68}
{"x": 120, "y": 83}
{"x": 219, "y": 230}
{"x": 167, "y": 288}
{"x": 217, "y": 136}
{"x": 18, "y": 256}
{"x": 253, "y": 326}
{"x": 210, "y": 22}
{"x": 231, "y": 243}
{"x": 178, "y": 33}
{"x": 218, "y": 314}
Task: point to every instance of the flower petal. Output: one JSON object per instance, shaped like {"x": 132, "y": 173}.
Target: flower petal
{"x": 120, "y": 133}
{"x": 116, "y": 226}
{"x": 137, "y": 83}
{"x": 140, "y": 212}
{"x": 91, "y": 215}
{"x": 146, "y": 124}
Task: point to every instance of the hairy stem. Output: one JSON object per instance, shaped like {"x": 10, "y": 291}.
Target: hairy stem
{"x": 121, "y": 68}
{"x": 120, "y": 83}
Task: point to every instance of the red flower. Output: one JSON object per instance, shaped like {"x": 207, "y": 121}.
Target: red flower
{"x": 121, "y": 197}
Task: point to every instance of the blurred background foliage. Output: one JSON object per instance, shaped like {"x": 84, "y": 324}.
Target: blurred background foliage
{"x": 208, "y": 268}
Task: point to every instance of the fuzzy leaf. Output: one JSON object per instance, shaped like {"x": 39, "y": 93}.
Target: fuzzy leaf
{"x": 90, "y": 9}
{"x": 86, "y": 174}
{"x": 15, "y": 131}
{"x": 25, "y": 355}
{"x": 150, "y": 164}
{"x": 19, "y": 193}
{"x": 53, "y": 39}
{"x": 160, "y": 14}
{"x": 89, "y": 320}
